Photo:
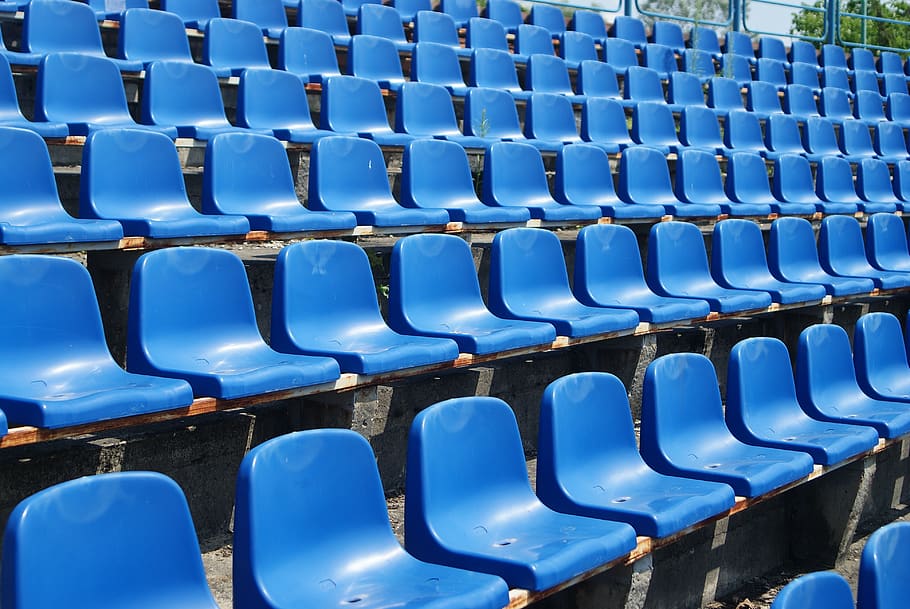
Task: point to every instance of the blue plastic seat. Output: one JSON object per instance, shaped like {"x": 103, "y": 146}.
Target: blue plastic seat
{"x": 704, "y": 38}
{"x": 307, "y": 53}
{"x": 698, "y": 129}
{"x": 86, "y": 93}
{"x": 889, "y": 142}
{"x": 583, "y": 177}
{"x": 194, "y": 13}
{"x": 628, "y": 28}
{"x": 61, "y": 26}
{"x": 835, "y": 105}
{"x": 20, "y": 57}
{"x": 736, "y": 68}
{"x": 808, "y": 75}
{"x": 298, "y": 498}
{"x": 747, "y": 182}
{"x": 803, "y": 51}
{"x": 880, "y": 357}
{"x": 739, "y": 44}
{"x": 868, "y": 109}
{"x": 842, "y": 251}
{"x": 890, "y": 62}
{"x": 247, "y": 174}
{"x": 645, "y": 178}
{"x": 762, "y": 408}
{"x": 30, "y": 208}
{"x": 792, "y": 182}
{"x": 701, "y": 64}
{"x": 874, "y": 186}
{"x": 11, "y": 114}
{"x": 461, "y": 11}
{"x": 505, "y": 12}
{"x": 141, "y": 518}
{"x": 793, "y": 257}
{"x": 762, "y": 99}
{"x": 821, "y": 589}
{"x": 603, "y": 121}
{"x": 882, "y": 568}
{"x": 591, "y": 23}
{"x": 661, "y": 59}
{"x": 699, "y": 181}
{"x": 349, "y": 174}
{"x": 426, "y": 110}
{"x": 836, "y": 78}
{"x": 548, "y": 17}
{"x": 683, "y": 432}
{"x": 550, "y": 74}
{"x": 575, "y": 47}
{"x": 549, "y": 117}
{"x": 528, "y": 280}
{"x": 104, "y": 10}
{"x": 653, "y": 125}
{"x": 724, "y": 96}
{"x": 491, "y": 113}
{"x": 374, "y": 58}
{"x": 608, "y": 272}
{"x": 668, "y": 33}
{"x": 419, "y": 304}
{"x": 191, "y": 317}
{"x": 773, "y": 48}
{"x": 886, "y": 243}
{"x": 820, "y": 138}
{"x": 514, "y": 176}
{"x": 901, "y": 183}
{"x": 855, "y": 141}
{"x": 588, "y": 463}
{"x": 385, "y": 22}
{"x": 643, "y": 85}
{"x": 465, "y": 476}
{"x": 893, "y": 83}
{"x": 494, "y": 69}
{"x": 799, "y": 102}
{"x": 186, "y": 95}
{"x": 354, "y": 106}
{"x": 620, "y": 54}
{"x": 484, "y": 34}
{"x": 678, "y": 267}
{"x": 325, "y": 304}
{"x": 268, "y": 15}
{"x": 738, "y": 261}
{"x": 150, "y": 35}
{"x": 352, "y": 7}
{"x": 782, "y": 136}
{"x": 833, "y": 56}
{"x": 828, "y": 390}
{"x": 232, "y": 45}
{"x": 326, "y": 16}
{"x": 834, "y": 182}
{"x": 408, "y": 9}
{"x": 66, "y": 375}
{"x": 861, "y": 59}
{"x": 276, "y": 101}
{"x": 437, "y": 64}
{"x": 743, "y": 133}
{"x": 430, "y": 26}
{"x": 864, "y": 80}
{"x": 598, "y": 79}
{"x": 532, "y": 40}
{"x": 134, "y": 177}
{"x": 436, "y": 175}
{"x": 684, "y": 90}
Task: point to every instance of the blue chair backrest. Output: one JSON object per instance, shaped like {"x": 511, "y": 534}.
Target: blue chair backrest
{"x": 820, "y": 137}
{"x": 792, "y": 179}
{"x": 491, "y": 113}
{"x": 576, "y": 47}
{"x": 629, "y": 28}
{"x": 234, "y": 45}
{"x": 888, "y": 140}
{"x": 824, "y": 365}
{"x": 352, "y": 105}
{"x": 901, "y": 180}
{"x": 548, "y": 74}
{"x": 620, "y": 54}
{"x": 886, "y": 240}
{"x": 460, "y": 10}
{"x": 644, "y": 176}
{"x": 835, "y": 104}
{"x": 408, "y": 9}
{"x": 324, "y": 15}
{"x": 514, "y": 175}
{"x": 704, "y": 38}
{"x": 55, "y": 26}
{"x": 739, "y": 43}
{"x": 698, "y": 178}
{"x": 308, "y": 53}
{"x": 425, "y": 109}
{"x": 550, "y": 117}
{"x": 182, "y": 94}
{"x": 533, "y": 39}
{"x": 772, "y": 71}
{"x": 782, "y": 134}
{"x": 862, "y": 59}
{"x": 77, "y": 88}
{"x": 272, "y": 99}
{"x": 268, "y": 15}
{"x": 802, "y": 51}
{"x": 668, "y": 33}
{"x": 835, "y": 77}
{"x": 893, "y": 83}
{"x": 661, "y": 59}
{"x": 653, "y": 123}
{"x": 677, "y": 255}
{"x": 148, "y": 35}
{"x": 805, "y": 74}
{"x": 834, "y": 180}
{"x": 590, "y": 22}
{"x": 29, "y": 191}
{"x": 583, "y": 174}
{"x": 698, "y": 127}
{"x": 864, "y": 80}
{"x": 822, "y": 589}
{"x": 738, "y": 68}
{"x": 382, "y": 21}
{"x": 436, "y": 173}
{"x": 762, "y": 97}
{"x": 430, "y": 26}
{"x": 643, "y": 85}
{"x": 548, "y": 17}
{"x": 700, "y": 63}
{"x": 437, "y": 64}
{"x": 141, "y": 518}
{"x": 348, "y": 173}
{"x": 604, "y": 121}
{"x": 493, "y": 69}
{"x": 742, "y": 131}
{"x": 724, "y": 94}
{"x": 867, "y": 105}
{"x": 890, "y": 62}
{"x": 873, "y": 181}
{"x": 882, "y": 568}
{"x": 685, "y": 90}
{"x": 597, "y": 79}
{"x": 375, "y": 58}
{"x": 484, "y": 34}
{"x": 607, "y": 258}
{"x": 505, "y": 12}
{"x": 833, "y": 56}
{"x": 799, "y": 101}
{"x": 196, "y": 12}
{"x": 772, "y": 48}
{"x": 747, "y": 178}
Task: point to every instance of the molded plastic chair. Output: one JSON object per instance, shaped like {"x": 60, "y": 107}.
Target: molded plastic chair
{"x": 833, "y": 56}
{"x": 195, "y": 13}
{"x": 276, "y": 101}
{"x": 803, "y": 51}
{"x": 855, "y": 141}
{"x": 699, "y": 181}
{"x": 588, "y": 463}
{"x": 231, "y": 46}
{"x": 698, "y": 128}
{"x": 808, "y": 75}
{"x": 548, "y": 17}
{"x": 842, "y": 252}
{"x": 773, "y": 48}
{"x": 549, "y": 74}
{"x": 886, "y": 243}
{"x": 430, "y": 26}
{"x": 890, "y": 62}
{"x": 549, "y": 116}
{"x": 643, "y": 85}
{"x": 591, "y": 23}
{"x": 653, "y": 125}
{"x": 151, "y": 35}
{"x": 792, "y": 182}
{"x": 326, "y": 16}
{"x": 491, "y": 113}
{"x": 299, "y": 497}
{"x": 436, "y": 175}
{"x": 683, "y": 432}
{"x": 528, "y": 280}
{"x": 782, "y": 136}
{"x": 575, "y": 47}
{"x": 59, "y": 371}
{"x": 135, "y": 177}
{"x": 408, "y": 9}
{"x": 628, "y": 28}
{"x": 466, "y": 475}
{"x": 893, "y": 83}
{"x": 867, "y": 108}
{"x": 864, "y": 80}
{"x": 835, "y": 78}
{"x": 724, "y": 96}
{"x": 835, "y": 105}
{"x": 375, "y": 58}
{"x": 747, "y": 182}
{"x": 678, "y": 266}
{"x": 645, "y": 178}
{"x": 583, "y": 177}
{"x": 532, "y": 40}
{"x": 352, "y": 7}
{"x": 608, "y": 272}
{"x": 483, "y": 34}
{"x": 762, "y": 408}
{"x": 268, "y": 15}
{"x": 661, "y": 59}
{"x": 739, "y": 44}
{"x": 861, "y": 59}
{"x": 437, "y": 64}
{"x": 882, "y": 567}
{"x": 349, "y": 174}
{"x": 889, "y": 142}
{"x": 598, "y": 79}
{"x": 736, "y": 68}
{"x": 426, "y": 110}
{"x": 514, "y": 176}
{"x": 354, "y": 106}
{"x": 793, "y": 257}
{"x": 834, "y": 182}
{"x": 104, "y": 10}
{"x": 799, "y": 102}
{"x": 704, "y": 38}
{"x": 820, "y": 139}
{"x": 684, "y": 90}
{"x": 873, "y": 184}
{"x": 30, "y": 208}
{"x": 86, "y": 93}
{"x": 828, "y": 390}
{"x": 620, "y": 54}
{"x": 307, "y": 53}
{"x": 738, "y": 261}
{"x": 141, "y": 518}
{"x": 461, "y": 11}
{"x": 743, "y": 133}
{"x": 604, "y": 121}
{"x": 385, "y": 22}
{"x": 668, "y": 33}
{"x": 822, "y": 589}
{"x": 325, "y": 304}
{"x": 505, "y": 12}
{"x": 191, "y": 317}
{"x": 247, "y": 174}
{"x": 11, "y": 115}
{"x": 422, "y": 305}
{"x": 880, "y": 357}
{"x": 762, "y": 99}
{"x": 61, "y": 26}
{"x": 901, "y": 182}
{"x": 494, "y": 69}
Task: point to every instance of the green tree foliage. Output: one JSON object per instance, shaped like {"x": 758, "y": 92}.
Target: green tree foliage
{"x": 877, "y": 33}
{"x": 704, "y": 11}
